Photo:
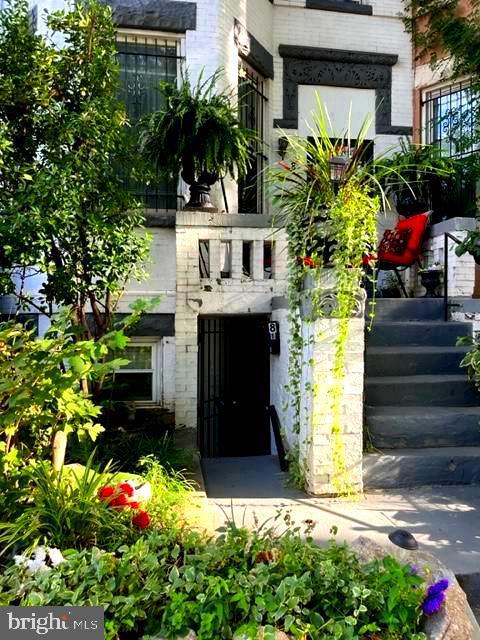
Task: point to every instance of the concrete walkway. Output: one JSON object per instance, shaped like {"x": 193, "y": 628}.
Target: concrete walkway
{"x": 445, "y": 520}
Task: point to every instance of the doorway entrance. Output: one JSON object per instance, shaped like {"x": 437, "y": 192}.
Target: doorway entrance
{"x": 233, "y": 386}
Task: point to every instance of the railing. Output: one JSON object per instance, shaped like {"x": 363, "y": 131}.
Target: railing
{"x": 277, "y": 434}
{"x": 446, "y": 237}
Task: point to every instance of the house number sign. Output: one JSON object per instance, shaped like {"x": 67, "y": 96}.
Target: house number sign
{"x": 274, "y": 337}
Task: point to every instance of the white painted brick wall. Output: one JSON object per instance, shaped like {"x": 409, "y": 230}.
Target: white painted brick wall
{"x": 197, "y": 296}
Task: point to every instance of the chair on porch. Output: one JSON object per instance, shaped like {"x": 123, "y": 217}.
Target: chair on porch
{"x": 401, "y": 247}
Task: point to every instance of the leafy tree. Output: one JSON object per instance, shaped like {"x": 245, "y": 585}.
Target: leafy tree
{"x": 64, "y": 214}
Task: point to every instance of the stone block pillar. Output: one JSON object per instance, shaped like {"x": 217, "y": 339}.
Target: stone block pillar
{"x": 324, "y": 455}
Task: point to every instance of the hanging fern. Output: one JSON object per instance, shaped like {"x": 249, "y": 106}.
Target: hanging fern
{"x": 197, "y": 131}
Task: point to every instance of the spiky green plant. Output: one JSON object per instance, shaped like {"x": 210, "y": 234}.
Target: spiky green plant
{"x": 197, "y": 131}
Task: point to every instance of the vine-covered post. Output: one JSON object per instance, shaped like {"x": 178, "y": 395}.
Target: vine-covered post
{"x": 331, "y": 408}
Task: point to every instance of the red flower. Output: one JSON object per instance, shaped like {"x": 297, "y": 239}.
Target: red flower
{"x": 141, "y": 520}
{"x": 134, "y": 504}
{"x": 308, "y": 262}
{"x": 126, "y": 488}
{"x": 120, "y": 501}
{"x": 106, "y": 492}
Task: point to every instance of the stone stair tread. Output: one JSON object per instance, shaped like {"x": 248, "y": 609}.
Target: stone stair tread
{"x": 415, "y": 349}
{"x": 420, "y": 323}
{"x": 440, "y": 452}
{"x": 430, "y": 378}
{"x": 422, "y": 411}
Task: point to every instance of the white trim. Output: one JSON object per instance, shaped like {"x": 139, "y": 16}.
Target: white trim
{"x": 156, "y": 368}
{"x": 150, "y": 33}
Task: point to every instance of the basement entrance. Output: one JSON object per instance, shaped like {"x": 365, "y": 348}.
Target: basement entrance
{"x": 233, "y": 386}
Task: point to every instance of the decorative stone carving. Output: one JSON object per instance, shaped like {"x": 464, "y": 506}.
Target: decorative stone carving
{"x": 320, "y": 298}
{"x": 167, "y": 15}
{"x": 250, "y": 49}
{"x": 338, "y": 68}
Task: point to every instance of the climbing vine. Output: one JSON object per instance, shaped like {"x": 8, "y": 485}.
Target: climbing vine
{"x": 446, "y": 29}
{"x": 328, "y": 197}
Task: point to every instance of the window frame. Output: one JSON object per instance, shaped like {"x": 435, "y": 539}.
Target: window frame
{"x": 156, "y": 368}
{"x": 428, "y": 98}
{"x": 152, "y": 38}
{"x": 259, "y": 85}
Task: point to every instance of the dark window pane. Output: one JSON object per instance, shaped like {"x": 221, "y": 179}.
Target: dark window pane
{"x": 132, "y": 386}
{"x": 251, "y": 106}
{"x": 268, "y": 260}
{"x": 144, "y": 63}
{"x": 247, "y": 255}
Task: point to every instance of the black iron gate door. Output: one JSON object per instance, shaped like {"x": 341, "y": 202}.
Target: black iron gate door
{"x": 233, "y": 386}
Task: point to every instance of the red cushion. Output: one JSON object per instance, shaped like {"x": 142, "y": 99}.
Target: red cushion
{"x": 402, "y": 245}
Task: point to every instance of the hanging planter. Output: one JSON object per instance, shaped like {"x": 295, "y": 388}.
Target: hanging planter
{"x": 197, "y": 134}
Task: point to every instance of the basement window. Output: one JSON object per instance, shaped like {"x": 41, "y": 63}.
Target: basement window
{"x": 135, "y": 381}
{"x": 247, "y": 258}
{"x": 226, "y": 259}
{"x": 204, "y": 258}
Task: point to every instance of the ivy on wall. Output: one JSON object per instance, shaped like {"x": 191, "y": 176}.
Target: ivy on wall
{"x": 443, "y": 29}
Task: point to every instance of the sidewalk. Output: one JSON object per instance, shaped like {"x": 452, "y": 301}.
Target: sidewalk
{"x": 444, "y": 520}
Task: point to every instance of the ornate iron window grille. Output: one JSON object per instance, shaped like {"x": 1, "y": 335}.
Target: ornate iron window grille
{"x": 451, "y": 119}
{"x": 252, "y": 103}
{"x": 145, "y": 61}
{"x": 452, "y": 124}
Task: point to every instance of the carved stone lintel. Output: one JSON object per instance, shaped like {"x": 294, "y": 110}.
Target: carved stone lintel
{"x": 167, "y": 15}
{"x": 339, "y": 68}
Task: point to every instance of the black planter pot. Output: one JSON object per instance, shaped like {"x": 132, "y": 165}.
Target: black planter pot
{"x": 200, "y": 188}
{"x": 476, "y": 258}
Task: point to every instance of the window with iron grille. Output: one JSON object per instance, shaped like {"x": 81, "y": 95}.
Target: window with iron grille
{"x": 145, "y": 61}
{"x": 451, "y": 123}
{"x": 451, "y": 119}
{"x": 252, "y": 104}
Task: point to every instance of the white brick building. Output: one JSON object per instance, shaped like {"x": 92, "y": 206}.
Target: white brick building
{"x": 192, "y": 354}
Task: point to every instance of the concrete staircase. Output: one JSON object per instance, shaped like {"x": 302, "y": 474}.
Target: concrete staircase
{"x": 421, "y": 412}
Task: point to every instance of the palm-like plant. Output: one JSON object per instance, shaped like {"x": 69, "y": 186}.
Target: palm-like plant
{"x": 197, "y": 133}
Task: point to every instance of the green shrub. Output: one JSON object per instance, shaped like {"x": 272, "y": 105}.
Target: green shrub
{"x": 63, "y": 510}
{"x": 170, "y": 490}
{"x": 40, "y": 388}
{"x": 128, "y": 449}
{"x": 229, "y": 587}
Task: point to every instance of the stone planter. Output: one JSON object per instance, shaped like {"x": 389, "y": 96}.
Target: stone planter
{"x": 320, "y": 292}
{"x": 200, "y": 190}
{"x": 455, "y": 620}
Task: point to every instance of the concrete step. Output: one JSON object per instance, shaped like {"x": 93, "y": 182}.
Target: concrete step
{"x": 409, "y": 309}
{"x": 411, "y": 361}
{"x": 418, "y": 467}
{"x": 422, "y": 391}
{"x": 391, "y": 334}
{"x": 397, "y": 427}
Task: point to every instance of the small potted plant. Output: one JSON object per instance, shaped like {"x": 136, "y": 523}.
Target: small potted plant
{"x": 196, "y": 134}
{"x": 431, "y": 279}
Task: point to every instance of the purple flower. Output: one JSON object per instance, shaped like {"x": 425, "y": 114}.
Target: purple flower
{"x": 435, "y": 597}
{"x": 438, "y": 587}
{"x": 414, "y": 569}
{"x": 433, "y": 603}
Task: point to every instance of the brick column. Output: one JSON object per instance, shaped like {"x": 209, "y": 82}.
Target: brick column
{"x": 316, "y": 440}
